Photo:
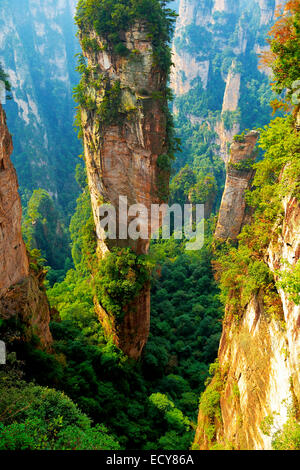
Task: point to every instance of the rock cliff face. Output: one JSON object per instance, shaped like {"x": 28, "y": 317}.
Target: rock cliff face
{"x": 210, "y": 36}
{"x": 267, "y": 11}
{"x": 190, "y": 69}
{"x": 14, "y": 264}
{"x": 188, "y": 64}
{"x": 38, "y": 47}
{"x": 122, "y": 159}
{"x": 230, "y": 105}
{"x": 21, "y": 294}
{"x": 259, "y": 355}
{"x": 259, "y": 360}
{"x": 239, "y": 175}
{"x": 224, "y": 6}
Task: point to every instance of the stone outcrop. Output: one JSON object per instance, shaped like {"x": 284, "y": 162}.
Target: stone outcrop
{"x": 229, "y": 107}
{"x": 14, "y": 264}
{"x": 204, "y": 31}
{"x": 260, "y": 359}
{"x": 122, "y": 160}
{"x": 21, "y": 291}
{"x": 259, "y": 353}
{"x": 38, "y": 45}
{"x": 190, "y": 69}
{"x": 239, "y": 176}
{"x": 131, "y": 336}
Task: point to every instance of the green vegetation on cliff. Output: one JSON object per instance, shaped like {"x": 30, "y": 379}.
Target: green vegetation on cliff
{"x": 98, "y": 93}
{"x": 242, "y": 270}
{"x": 110, "y": 19}
{"x": 120, "y": 277}
{"x": 253, "y": 267}
{"x": 284, "y": 41}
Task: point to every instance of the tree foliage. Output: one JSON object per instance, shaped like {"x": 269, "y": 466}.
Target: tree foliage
{"x": 284, "y": 40}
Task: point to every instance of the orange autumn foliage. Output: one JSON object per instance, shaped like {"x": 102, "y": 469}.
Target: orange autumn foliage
{"x": 283, "y": 30}
{"x": 283, "y": 57}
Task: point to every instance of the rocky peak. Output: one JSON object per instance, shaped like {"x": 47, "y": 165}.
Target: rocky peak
{"x": 256, "y": 377}
{"x": 239, "y": 176}
{"x": 14, "y": 264}
{"x": 121, "y": 155}
{"x": 206, "y": 31}
{"x": 38, "y": 47}
{"x": 21, "y": 291}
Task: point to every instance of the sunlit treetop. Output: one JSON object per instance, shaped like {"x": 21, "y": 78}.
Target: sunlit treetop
{"x": 111, "y": 18}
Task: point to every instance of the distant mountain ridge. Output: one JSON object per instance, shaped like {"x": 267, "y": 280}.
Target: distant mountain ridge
{"x": 38, "y": 47}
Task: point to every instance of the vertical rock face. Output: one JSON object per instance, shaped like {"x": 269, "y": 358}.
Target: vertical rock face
{"x": 260, "y": 359}
{"x": 38, "y": 47}
{"x": 210, "y": 36}
{"x": 224, "y": 6}
{"x": 232, "y": 90}
{"x": 239, "y": 175}
{"x": 192, "y": 11}
{"x": 259, "y": 354}
{"x": 14, "y": 264}
{"x": 132, "y": 334}
{"x": 122, "y": 158}
{"x": 21, "y": 294}
{"x": 230, "y": 105}
{"x": 267, "y": 11}
{"x": 288, "y": 250}
{"x": 189, "y": 65}
{"x": 190, "y": 69}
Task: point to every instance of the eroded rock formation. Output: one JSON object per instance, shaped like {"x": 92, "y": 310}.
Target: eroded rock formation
{"x": 230, "y": 105}
{"x": 204, "y": 31}
{"x": 259, "y": 359}
{"x": 42, "y": 33}
{"x": 14, "y": 264}
{"x": 239, "y": 175}
{"x": 22, "y": 297}
{"x": 121, "y": 154}
{"x": 257, "y": 376}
